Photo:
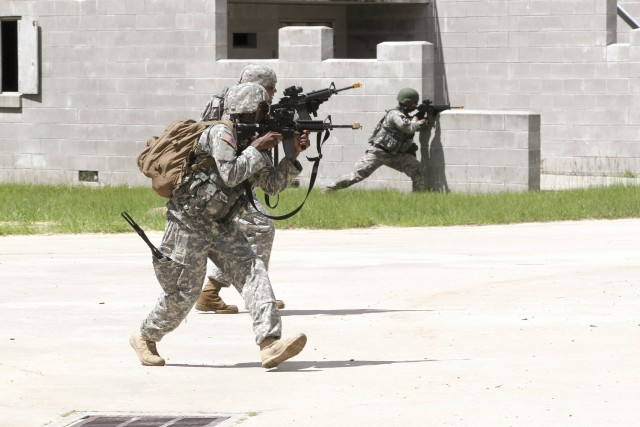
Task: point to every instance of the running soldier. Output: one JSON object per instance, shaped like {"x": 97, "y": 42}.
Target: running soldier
{"x": 259, "y": 230}
{"x": 201, "y": 224}
{"x": 391, "y": 145}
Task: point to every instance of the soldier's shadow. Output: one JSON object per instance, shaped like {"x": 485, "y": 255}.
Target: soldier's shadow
{"x": 315, "y": 366}
{"x": 343, "y": 312}
{"x": 337, "y": 312}
{"x": 307, "y": 366}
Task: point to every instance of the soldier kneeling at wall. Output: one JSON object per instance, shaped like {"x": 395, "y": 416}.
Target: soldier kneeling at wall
{"x": 391, "y": 145}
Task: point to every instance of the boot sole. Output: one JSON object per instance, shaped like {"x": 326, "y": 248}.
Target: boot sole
{"x": 132, "y": 342}
{"x": 201, "y": 307}
{"x": 292, "y": 349}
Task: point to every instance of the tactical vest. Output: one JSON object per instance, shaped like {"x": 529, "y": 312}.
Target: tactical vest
{"x": 389, "y": 138}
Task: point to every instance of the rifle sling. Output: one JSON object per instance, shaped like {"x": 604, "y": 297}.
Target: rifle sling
{"x": 314, "y": 173}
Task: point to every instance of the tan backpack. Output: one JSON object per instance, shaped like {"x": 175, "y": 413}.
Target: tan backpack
{"x": 169, "y": 157}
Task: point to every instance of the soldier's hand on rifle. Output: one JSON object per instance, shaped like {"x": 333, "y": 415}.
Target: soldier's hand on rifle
{"x": 421, "y": 122}
{"x": 300, "y": 142}
{"x": 267, "y": 141}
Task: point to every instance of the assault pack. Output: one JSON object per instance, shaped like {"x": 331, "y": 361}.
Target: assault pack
{"x": 215, "y": 107}
{"x": 169, "y": 157}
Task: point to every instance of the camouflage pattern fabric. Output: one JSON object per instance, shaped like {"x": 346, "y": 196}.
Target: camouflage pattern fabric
{"x": 252, "y": 73}
{"x": 259, "y": 232}
{"x": 258, "y": 229}
{"x": 261, "y": 74}
{"x": 244, "y": 98}
{"x": 395, "y": 132}
{"x": 391, "y": 144}
{"x": 374, "y": 158}
{"x": 201, "y": 224}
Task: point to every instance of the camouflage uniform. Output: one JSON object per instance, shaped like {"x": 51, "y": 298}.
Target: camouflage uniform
{"x": 201, "y": 224}
{"x": 391, "y": 145}
{"x": 258, "y": 229}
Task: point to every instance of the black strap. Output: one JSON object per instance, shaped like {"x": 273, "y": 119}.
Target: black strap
{"x": 314, "y": 173}
{"x": 155, "y": 251}
{"x": 267, "y": 199}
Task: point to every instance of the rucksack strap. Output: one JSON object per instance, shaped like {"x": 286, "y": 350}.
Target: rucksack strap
{"x": 312, "y": 179}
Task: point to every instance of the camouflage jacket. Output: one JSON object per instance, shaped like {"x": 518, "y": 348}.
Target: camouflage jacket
{"x": 216, "y": 194}
{"x": 394, "y": 133}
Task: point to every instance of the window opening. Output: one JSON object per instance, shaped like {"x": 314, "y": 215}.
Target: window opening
{"x": 245, "y": 40}
{"x": 88, "y": 176}
{"x": 9, "y": 55}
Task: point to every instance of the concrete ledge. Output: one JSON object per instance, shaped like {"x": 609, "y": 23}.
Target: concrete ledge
{"x": 10, "y": 100}
{"x": 568, "y": 182}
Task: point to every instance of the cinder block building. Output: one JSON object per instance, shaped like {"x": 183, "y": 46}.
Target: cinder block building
{"x": 551, "y": 89}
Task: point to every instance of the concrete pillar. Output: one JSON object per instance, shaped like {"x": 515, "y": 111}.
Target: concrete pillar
{"x": 421, "y": 53}
{"x": 612, "y": 20}
{"x": 219, "y": 14}
{"x": 305, "y": 44}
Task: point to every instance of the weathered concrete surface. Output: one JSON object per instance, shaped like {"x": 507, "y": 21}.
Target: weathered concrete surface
{"x": 518, "y": 325}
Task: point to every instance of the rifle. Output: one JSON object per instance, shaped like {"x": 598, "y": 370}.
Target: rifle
{"x": 431, "y": 111}
{"x": 282, "y": 121}
{"x": 282, "y": 118}
{"x": 282, "y": 114}
{"x": 307, "y": 104}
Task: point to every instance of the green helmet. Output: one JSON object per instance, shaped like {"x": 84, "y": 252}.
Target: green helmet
{"x": 407, "y": 96}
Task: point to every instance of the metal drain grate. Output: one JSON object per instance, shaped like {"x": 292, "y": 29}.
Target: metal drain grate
{"x": 147, "y": 421}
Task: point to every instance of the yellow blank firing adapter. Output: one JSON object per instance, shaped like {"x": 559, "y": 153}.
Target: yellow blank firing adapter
{"x": 356, "y": 85}
{"x": 356, "y": 125}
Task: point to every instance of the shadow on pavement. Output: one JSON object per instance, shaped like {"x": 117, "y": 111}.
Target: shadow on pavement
{"x": 307, "y": 366}
{"x": 346, "y": 312}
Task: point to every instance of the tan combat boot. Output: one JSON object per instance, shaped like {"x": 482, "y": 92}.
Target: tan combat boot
{"x": 275, "y": 351}
{"x": 210, "y": 300}
{"x": 146, "y": 350}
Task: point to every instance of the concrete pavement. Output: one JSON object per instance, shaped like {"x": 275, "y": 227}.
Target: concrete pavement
{"x": 516, "y": 325}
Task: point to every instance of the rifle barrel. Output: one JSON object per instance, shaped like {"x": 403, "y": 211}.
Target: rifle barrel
{"x": 353, "y": 86}
{"x": 354, "y": 125}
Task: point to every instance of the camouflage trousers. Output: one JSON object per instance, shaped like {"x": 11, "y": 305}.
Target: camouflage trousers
{"x": 375, "y": 157}
{"x": 259, "y": 231}
{"x": 181, "y": 278}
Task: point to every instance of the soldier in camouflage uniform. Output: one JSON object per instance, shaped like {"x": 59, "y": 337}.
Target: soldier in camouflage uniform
{"x": 391, "y": 145}
{"x": 201, "y": 224}
{"x": 259, "y": 230}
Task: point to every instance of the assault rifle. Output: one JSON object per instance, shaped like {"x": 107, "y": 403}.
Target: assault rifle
{"x": 307, "y": 104}
{"x": 431, "y": 111}
{"x": 282, "y": 115}
{"x": 283, "y": 121}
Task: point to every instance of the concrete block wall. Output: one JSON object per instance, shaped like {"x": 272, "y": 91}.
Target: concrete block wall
{"x": 115, "y": 73}
{"x": 560, "y": 59}
{"x": 483, "y": 152}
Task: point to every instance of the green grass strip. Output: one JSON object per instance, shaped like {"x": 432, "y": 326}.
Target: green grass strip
{"x": 34, "y": 209}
